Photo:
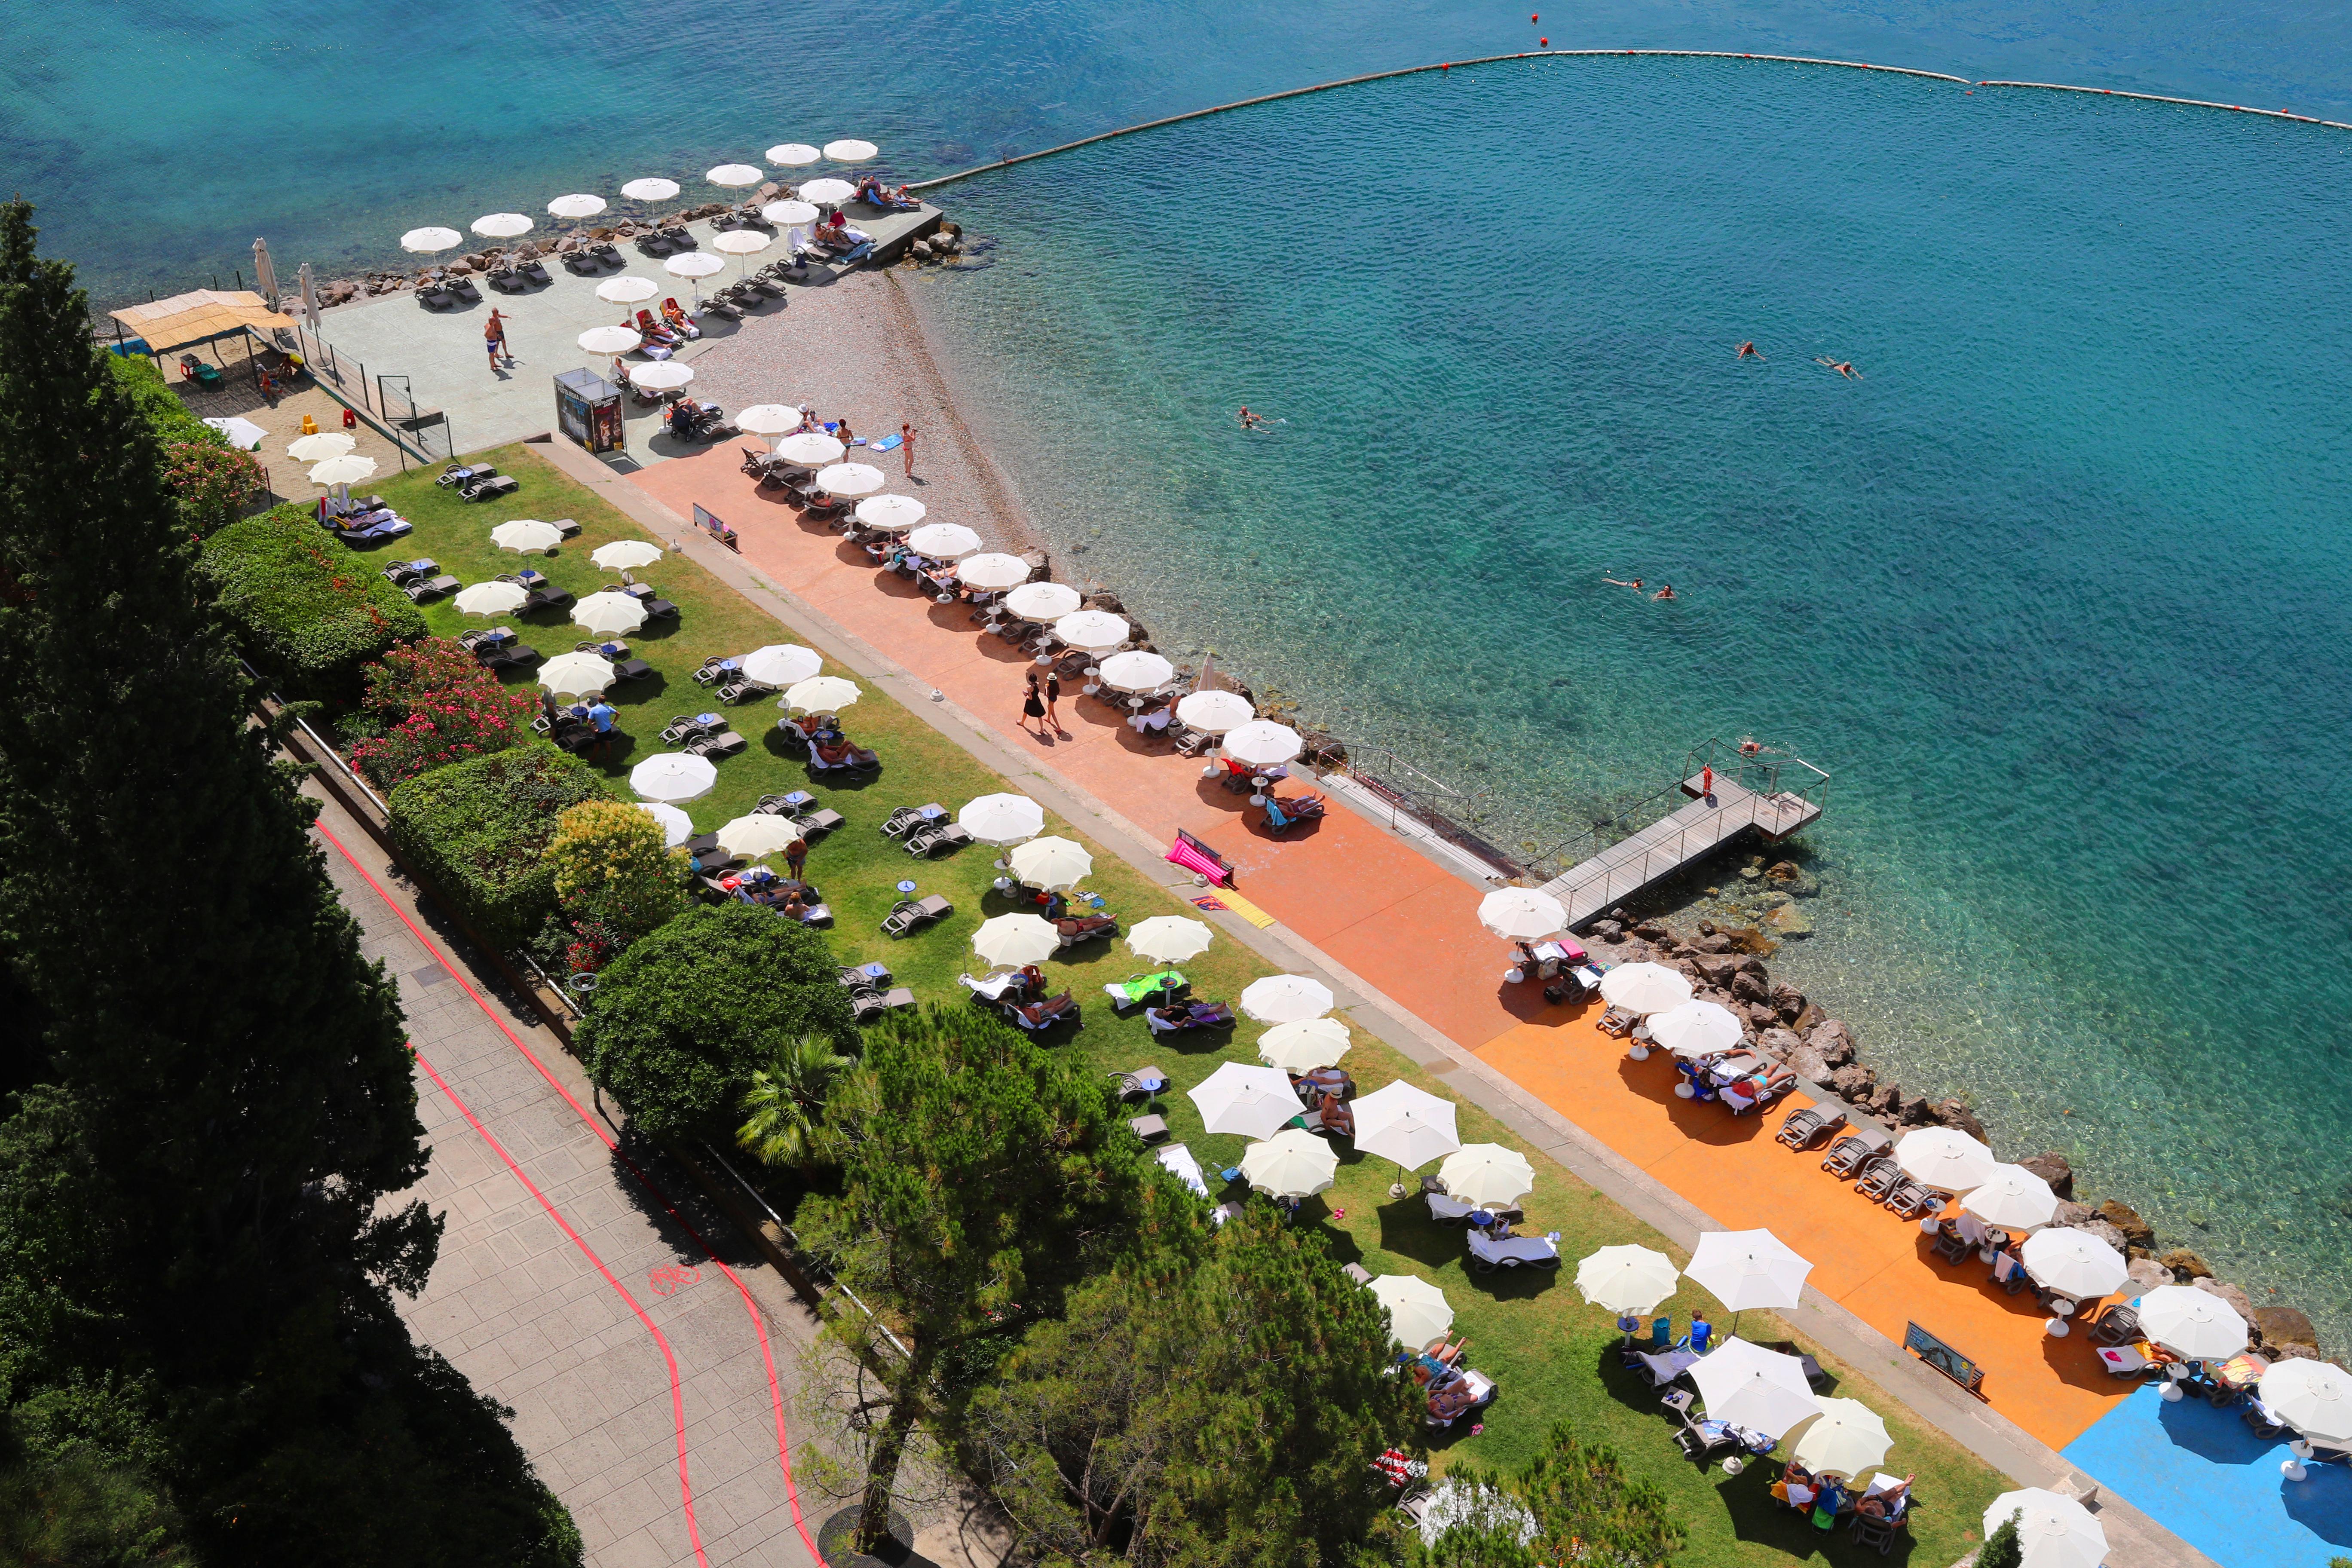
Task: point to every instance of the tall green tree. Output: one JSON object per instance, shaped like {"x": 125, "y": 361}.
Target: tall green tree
{"x": 786, "y": 1099}
{"x": 213, "y": 1117}
{"x": 1583, "y": 1506}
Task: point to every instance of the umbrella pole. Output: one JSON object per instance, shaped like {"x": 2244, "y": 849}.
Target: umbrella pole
{"x": 1396, "y": 1189}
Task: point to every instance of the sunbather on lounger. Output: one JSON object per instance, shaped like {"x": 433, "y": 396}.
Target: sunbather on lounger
{"x": 678, "y": 320}
{"x": 1336, "y": 1116}
{"x": 832, "y": 749}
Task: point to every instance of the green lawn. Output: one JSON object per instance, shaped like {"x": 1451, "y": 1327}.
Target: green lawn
{"x": 1553, "y": 1356}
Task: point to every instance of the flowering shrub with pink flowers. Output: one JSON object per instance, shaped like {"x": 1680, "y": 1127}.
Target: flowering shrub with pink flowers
{"x": 437, "y": 706}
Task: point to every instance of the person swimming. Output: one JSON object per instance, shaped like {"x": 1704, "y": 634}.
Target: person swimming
{"x": 1843, "y": 367}
{"x": 1665, "y": 591}
{"x": 1252, "y": 421}
{"x": 1747, "y": 351}
{"x": 1621, "y": 582}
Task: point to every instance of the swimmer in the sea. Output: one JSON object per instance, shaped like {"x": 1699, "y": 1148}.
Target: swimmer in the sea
{"x": 1747, "y": 351}
{"x": 1666, "y": 592}
{"x": 1843, "y": 367}
{"x": 1621, "y": 582}
{"x": 1251, "y": 421}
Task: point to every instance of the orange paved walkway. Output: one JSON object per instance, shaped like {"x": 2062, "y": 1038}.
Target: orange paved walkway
{"x": 1409, "y": 927}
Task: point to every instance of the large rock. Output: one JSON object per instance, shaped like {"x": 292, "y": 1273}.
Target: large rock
{"x": 1958, "y": 1116}
{"x": 1751, "y": 964}
{"x": 2126, "y": 1218}
{"x": 1608, "y": 931}
{"x": 1787, "y": 1000}
{"x": 2106, "y": 1233}
{"x": 2072, "y": 1214}
{"x": 1885, "y": 1099}
{"x": 1811, "y": 1018}
{"x": 2285, "y": 1326}
{"x": 2239, "y": 1302}
{"x": 2146, "y": 1274}
{"x": 1852, "y": 1082}
{"x": 2052, "y": 1168}
{"x": 1788, "y": 920}
{"x": 1834, "y": 1041}
{"x": 1780, "y": 1044}
{"x": 1649, "y": 931}
{"x": 1714, "y": 969}
{"x": 1712, "y": 942}
{"x": 1807, "y": 1064}
{"x": 1919, "y": 1112}
{"x": 2186, "y": 1266}
{"x": 1747, "y": 988}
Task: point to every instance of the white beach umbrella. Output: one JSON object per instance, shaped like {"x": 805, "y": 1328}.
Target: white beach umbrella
{"x": 1042, "y": 601}
{"x": 741, "y": 241}
{"x": 849, "y": 150}
{"x": 2314, "y": 1397}
{"x": 1521, "y": 914}
{"x": 1744, "y": 1269}
{"x": 1408, "y": 1125}
{"x": 993, "y": 571}
{"x": 1003, "y": 819}
{"x": 673, "y": 776}
{"x": 608, "y": 614}
{"x": 655, "y": 189}
{"x": 1168, "y": 939}
{"x": 1052, "y": 864}
{"x": 348, "y": 470}
{"x": 790, "y": 214}
{"x": 819, "y": 694}
{"x": 1943, "y": 1158}
{"x": 829, "y": 192}
{"x": 627, "y": 289}
{"x": 1011, "y": 940}
{"x": 675, "y": 825}
{"x": 625, "y": 555}
{"x": 1644, "y": 988}
{"x": 1303, "y": 1046}
{"x": 782, "y": 665}
{"x": 576, "y": 674}
{"x": 1626, "y": 1278}
{"x": 246, "y": 436}
{"x": 1136, "y": 671}
{"x": 758, "y": 834}
{"x": 2056, "y": 1532}
{"x": 491, "y": 598}
{"x": 2193, "y": 1324}
{"x": 1096, "y": 631}
{"x": 792, "y": 154}
{"x": 1847, "y": 1438}
{"x": 1418, "y": 1313}
{"x": 1285, "y": 999}
{"x": 735, "y": 176}
{"x": 2013, "y": 1198}
{"x": 426, "y": 241}
{"x": 1487, "y": 1174}
{"x": 1262, "y": 743}
{"x": 1247, "y": 1102}
{"x": 578, "y": 205}
{"x": 527, "y": 536}
{"x": 319, "y": 448}
{"x": 1746, "y": 1386}
{"x": 1696, "y": 1029}
{"x": 939, "y": 541}
{"x": 768, "y": 419}
{"x": 850, "y": 479}
{"x": 2074, "y": 1263}
{"x": 811, "y": 448}
{"x": 1293, "y": 1164}
{"x": 693, "y": 264}
{"x": 501, "y": 226}
{"x": 609, "y": 339}
{"x": 1214, "y": 712}
{"x": 663, "y": 375}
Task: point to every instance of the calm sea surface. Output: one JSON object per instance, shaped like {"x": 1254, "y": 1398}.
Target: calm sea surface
{"x": 2059, "y": 591}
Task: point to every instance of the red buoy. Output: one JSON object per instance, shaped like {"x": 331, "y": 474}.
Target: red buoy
{"x": 1543, "y": 42}
{"x": 1536, "y": 17}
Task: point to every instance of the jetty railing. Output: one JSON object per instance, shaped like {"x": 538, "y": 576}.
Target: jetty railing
{"x": 1404, "y": 789}
{"x": 382, "y": 399}
{"x": 1764, "y": 774}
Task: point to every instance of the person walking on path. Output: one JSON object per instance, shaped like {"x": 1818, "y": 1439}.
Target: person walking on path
{"x": 1032, "y": 706}
{"x": 1053, "y": 697}
{"x": 907, "y": 447}
{"x": 494, "y": 337}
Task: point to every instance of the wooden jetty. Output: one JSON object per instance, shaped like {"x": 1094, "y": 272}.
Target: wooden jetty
{"x": 1666, "y": 845}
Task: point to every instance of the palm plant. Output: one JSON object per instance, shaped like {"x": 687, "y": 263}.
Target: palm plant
{"x": 786, "y": 1096}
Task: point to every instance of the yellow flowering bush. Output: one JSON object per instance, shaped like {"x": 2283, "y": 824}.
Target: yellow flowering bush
{"x": 614, "y": 880}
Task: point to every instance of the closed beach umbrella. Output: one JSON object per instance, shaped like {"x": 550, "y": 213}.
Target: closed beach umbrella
{"x": 1052, "y": 864}
{"x": 673, "y": 776}
{"x": 792, "y": 154}
{"x": 675, "y": 825}
{"x": 734, "y": 175}
{"x": 790, "y": 214}
{"x": 768, "y": 419}
{"x": 850, "y": 479}
{"x": 849, "y": 150}
{"x": 819, "y": 694}
{"x": 830, "y": 193}
{"x": 491, "y": 598}
{"x": 1246, "y": 1102}
{"x": 1169, "y": 938}
{"x": 627, "y": 291}
{"x": 1644, "y": 988}
{"x": 576, "y": 674}
{"x": 2193, "y": 1324}
{"x": 1744, "y": 1269}
{"x": 2073, "y": 1263}
{"x": 2013, "y": 1198}
{"x": 265, "y": 273}
{"x": 1487, "y": 1174}
{"x": 650, "y": 190}
{"x": 608, "y": 615}
{"x": 578, "y": 205}
{"x": 426, "y": 241}
{"x": 663, "y": 375}
{"x": 527, "y": 536}
{"x": 1003, "y": 819}
{"x": 939, "y": 541}
{"x": 625, "y": 554}
{"x": 1626, "y": 1279}
{"x": 1042, "y": 601}
{"x": 1846, "y": 1439}
{"x": 1214, "y": 712}
{"x": 1303, "y": 1046}
{"x": 1285, "y": 999}
{"x": 1945, "y": 1158}
{"x": 1521, "y": 914}
{"x": 693, "y": 264}
{"x": 781, "y": 664}
{"x": 2055, "y": 1531}
{"x": 501, "y": 226}
{"x": 1262, "y": 743}
{"x": 1408, "y": 1125}
{"x": 2312, "y": 1396}
{"x": 1418, "y": 1313}
{"x": 1137, "y": 671}
{"x": 1011, "y": 940}
{"x": 245, "y": 435}
{"x": 1096, "y": 631}
{"x": 1293, "y": 1164}
{"x": 758, "y": 834}
{"x": 348, "y": 470}
{"x": 609, "y": 339}
{"x": 1746, "y": 1386}
{"x": 1696, "y": 1029}
{"x": 811, "y": 448}
{"x": 993, "y": 571}
{"x": 318, "y": 449}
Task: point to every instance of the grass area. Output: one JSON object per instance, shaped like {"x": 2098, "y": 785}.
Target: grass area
{"x": 1553, "y": 1357}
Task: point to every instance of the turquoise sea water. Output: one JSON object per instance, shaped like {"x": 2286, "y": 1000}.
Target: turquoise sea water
{"x": 2058, "y": 591}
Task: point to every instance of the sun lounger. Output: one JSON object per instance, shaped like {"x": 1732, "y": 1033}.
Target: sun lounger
{"x": 1152, "y": 1129}
{"x": 547, "y": 598}
{"x": 866, "y": 1006}
{"x": 1085, "y": 928}
{"x": 1482, "y": 1391}
{"x": 1446, "y": 1209}
{"x": 1196, "y": 1016}
{"x": 457, "y": 476}
{"x": 507, "y": 656}
{"x": 1179, "y": 1161}
{"x": 927, "y": 841}
{"x": 1846, "y": 1155}
{"x": 1489, "y": 1252}
{"x": 1878, "y": 1178}
{"x": 430, "y": 587}
{"x": 1914, "y": 1199}
{"x": 725, "y": 744}
{"x": 405, "y": 571}
{"x": 1662, "y": 1367}
{"x": 990, "y": 988}
{"x": 2117, "y": 1325}
{"x": 1038, "y": 1016}
{"x": 909, "y": 913}
{"x": 490, "y": 489}
{"x": 377, "y": 532}
{"x": 1802, "y": 1127}
{"x": 1152, "y": 988}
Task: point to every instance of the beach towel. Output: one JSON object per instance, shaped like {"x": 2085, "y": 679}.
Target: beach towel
{"x": 888, "y": 443}
{"x": 1247, "y": 911}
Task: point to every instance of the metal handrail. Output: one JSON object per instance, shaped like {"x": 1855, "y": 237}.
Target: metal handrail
{"x": 793, "y": 1236}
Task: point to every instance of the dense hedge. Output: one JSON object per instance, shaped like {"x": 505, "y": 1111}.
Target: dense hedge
{"x": 479, "y": 831}
{"x": 309, "y": 613}
{"x": 171, "y": 419}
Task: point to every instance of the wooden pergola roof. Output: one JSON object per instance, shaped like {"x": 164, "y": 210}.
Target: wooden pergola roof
{"x": 203, "y": 316}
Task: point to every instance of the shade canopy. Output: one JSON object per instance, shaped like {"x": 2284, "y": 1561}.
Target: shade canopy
{"x": 580, "y": 204}
{"x": 1945, "y": 1158}
{"x": 2193, "y": 1324}
{"x": 1096, "y": 631}
{"x": 780, "y": 665}
{"x": 2054, "y": 1530}
{"x": 501, "y": 226}
{"x": 626, "y": 289}
{"x": 654, "y": 189}
{"x": 664, "y": 375}
{"x": 2314, "y": 1397}
{"x": 830, "y": 193}
{"x": 1053, "y": 864}
{"x": 768, "y": 419}
{"x": 1846, "y": 1439}
{"x": 348, "y": 470}
{"x": 1246, "y": 1102}
{"x": 849, "y": 150}
{"x": 1286, "y": 998}
{"x": 1418, "y": 1313}
{"x": 1169, "y": 938}
{"x": 810, "y": 448}
{"x": 1746, "y": 1386}
{"x": 1262, "y": 743}
{"x": 246, "y": 436}
{"x": 819, "y": 694}
{"x": 1136, "y": 671}
{"x": 1521, "y": 914}
{"x": 673, "y": 776}
{"x": 1012, "y": 940}
{"x": 491, "y": 598}
{"x": 1744, "y": 1269}
{"x": 992, "y": 570}
{"x": 792, "y": 154}
{"x": 1042, "y": 601}
{"x": 1627, "y": 1278}
{"x": 319, "y": 448}
{"x": 609, "y": 339}
{"x": 1696, "y": 1029}
{"x": 624, "y": 555}
{"x": 693, "y": 264}
{"x": 2013, "y": 1198}
{"x": 1214, "y": 712}
{"x": 201, "y": 316}
{"x": 741, "y": 241}
{"x": 1487, "y": 1174}
{"x": 939, "y": 541}
{"x": 1303, "y": 1046}
{"x": 758, "y": 834}
{"x": 850, "y": 479}
{"x": 426, "y": 241}
{"x": 1408, "y": 1125}
{"x": 1002, "y": 819}
{"x": 2073, "y": 1263}
{"x": 1644, "y": 988}
{"x": 675, "y": 825}
{"x": 790, "y": 214}
{"x": 1293, "y": 1164}
{"x": 734, "y": 175}
{"x": 527, "y": 536}
{"x": 577, "y": 674}
{"x": 608, "y": 615}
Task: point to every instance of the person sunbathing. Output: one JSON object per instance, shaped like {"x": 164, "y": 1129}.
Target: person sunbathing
{"x": 834, "y": 750}
{"x": 1445, "y": 1351}
{"x": 1887, "y": 1504}
{"x": 1031, "y": 982}
{"x": 678, "y": 319}
{"x": 1337, "y": 1117}
{"x": 1452, "y": 1401}
{"x": 869, "y": 189}
{"x": 1036, "y": 1014}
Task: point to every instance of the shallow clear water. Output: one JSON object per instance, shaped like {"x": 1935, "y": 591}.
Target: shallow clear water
{"x": 2057, "y": 592}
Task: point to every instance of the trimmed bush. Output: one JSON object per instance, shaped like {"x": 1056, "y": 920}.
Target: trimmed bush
{"x": 437, "y": 705}
{"x": 614, "y": 880}
{"x": 307, "y": 612}
{"x": 685, "y": 1017}
{"x": 479, "y": 831}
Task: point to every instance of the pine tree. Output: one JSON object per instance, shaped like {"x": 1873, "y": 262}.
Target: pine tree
{"x": 2001, "y": 1548}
